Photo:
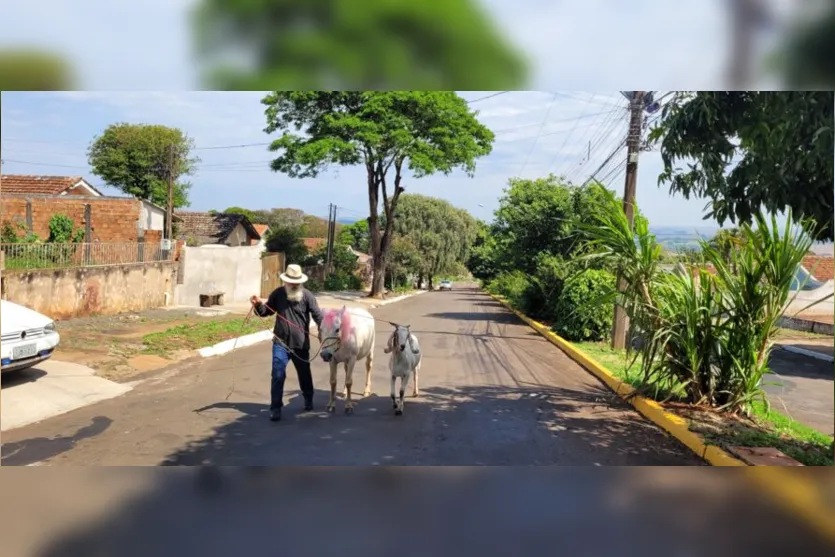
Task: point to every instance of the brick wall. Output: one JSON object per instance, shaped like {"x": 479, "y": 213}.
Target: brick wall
{"x": 113, "y": 219}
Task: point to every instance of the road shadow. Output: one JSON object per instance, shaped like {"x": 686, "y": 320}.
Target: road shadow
{"x": 789, "y": 364}
{"x": 11, "y": 379}
{"x": 503, "y": 318}
{"x": 42, "y": 448}
{"x": 480, "y": 425}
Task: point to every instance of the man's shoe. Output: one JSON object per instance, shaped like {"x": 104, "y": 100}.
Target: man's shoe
{"x": 275, "y": 415}
{"x": 308, "y": 404}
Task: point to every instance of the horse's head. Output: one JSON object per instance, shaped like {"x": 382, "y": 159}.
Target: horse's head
{"x": 400, "y": 338}
{"x": 335, "y": 330}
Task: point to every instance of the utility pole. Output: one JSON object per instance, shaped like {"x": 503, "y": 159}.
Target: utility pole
{"x": 169, "y": 213}
{"x": 329, "y": 249}
{"x": 633, "y": 145}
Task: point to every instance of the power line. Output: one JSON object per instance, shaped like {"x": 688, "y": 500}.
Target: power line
{"x": 550, "y": 106}
{"x": 487, "y": 97}
{"x": 565, "y": 141}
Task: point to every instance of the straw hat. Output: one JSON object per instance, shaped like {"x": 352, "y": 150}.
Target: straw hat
{"x": 293, "y": 275}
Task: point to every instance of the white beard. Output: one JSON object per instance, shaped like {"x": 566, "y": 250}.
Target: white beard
{"x": 295, "y": 293}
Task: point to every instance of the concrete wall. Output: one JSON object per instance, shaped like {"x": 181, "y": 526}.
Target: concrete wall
{"x": 151, "y": 217}
{"x": 238, "y": 237}
{"x": 67, "y": 293}
{"x": 234, "y": 271}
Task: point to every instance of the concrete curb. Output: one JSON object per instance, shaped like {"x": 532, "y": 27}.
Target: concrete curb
{"x": 399, "y": 298}
{"x": 804, "y": 352}
{"x": 233, "y": 343}
{"x": 785, "y": 486}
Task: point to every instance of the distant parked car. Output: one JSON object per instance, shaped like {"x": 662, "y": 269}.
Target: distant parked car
{"x": 445, "y": 285}
{"x": 27, "y": 337}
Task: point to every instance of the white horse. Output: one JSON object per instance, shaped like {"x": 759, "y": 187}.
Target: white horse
{"x": 404, "y": 362}
{"x": 347, "y": 336}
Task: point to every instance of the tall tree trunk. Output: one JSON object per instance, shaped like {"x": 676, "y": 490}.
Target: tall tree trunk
{"x": 381, "y": 244}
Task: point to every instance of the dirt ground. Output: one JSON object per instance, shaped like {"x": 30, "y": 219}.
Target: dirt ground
{"x": 112, "y": 344}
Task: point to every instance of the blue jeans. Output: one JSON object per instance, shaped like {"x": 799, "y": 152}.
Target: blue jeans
{"x": 279, "y": 373}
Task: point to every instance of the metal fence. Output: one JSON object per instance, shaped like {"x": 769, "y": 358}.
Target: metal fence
{"x": 23, "y": 256}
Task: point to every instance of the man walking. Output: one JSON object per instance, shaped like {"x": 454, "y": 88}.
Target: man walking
{"x": 295, "y": 305}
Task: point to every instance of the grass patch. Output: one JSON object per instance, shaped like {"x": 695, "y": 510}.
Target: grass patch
{"x": 766, "y": 427}
{"x": 198, "y": 335}
{"x": 783, "y": 334}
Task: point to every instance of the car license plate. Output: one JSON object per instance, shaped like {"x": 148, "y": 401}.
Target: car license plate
{"x": 25, "y": 351}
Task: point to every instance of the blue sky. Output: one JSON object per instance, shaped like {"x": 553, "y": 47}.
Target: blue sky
{"x": 536, "y": 133}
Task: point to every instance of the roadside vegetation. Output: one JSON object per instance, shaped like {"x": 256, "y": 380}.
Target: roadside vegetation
{"x": 701, "y": 340}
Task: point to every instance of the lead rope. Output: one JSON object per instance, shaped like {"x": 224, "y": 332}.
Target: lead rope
{"x": 328, "y": 341}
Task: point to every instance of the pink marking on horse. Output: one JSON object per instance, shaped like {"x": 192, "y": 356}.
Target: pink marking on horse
{"x": 347, "y": 328}
{"x": 329, "y": 318}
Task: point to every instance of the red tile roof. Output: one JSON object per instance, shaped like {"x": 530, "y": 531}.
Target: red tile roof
{"x": 312, "y": 244}
{"x": 261, "y": 228}
{"x": 820, "y": 267}
{"x": 38, "y": 185}
{"x": 212, "y": 228}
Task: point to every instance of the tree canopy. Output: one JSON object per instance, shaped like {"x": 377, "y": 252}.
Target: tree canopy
{"x": 783, "y": 142}
{"x": 136, "y": 159}
{"x": 35, "y": 70}
{"x": 356, "y": 235}
{"x": 424, "y": 132}
{"x": 428, "y": 45}
{"x": 441, "y": 233}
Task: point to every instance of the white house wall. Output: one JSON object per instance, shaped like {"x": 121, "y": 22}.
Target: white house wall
{"x": 235, "y": 271}
{"x": 151, "y": 217}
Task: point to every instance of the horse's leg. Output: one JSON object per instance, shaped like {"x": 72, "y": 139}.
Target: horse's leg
{"x": 393, "y": 398}
{"x": 332, "y": 402}
{"x": 416, "y": 391}
{"x": 368, "y": 363}
{"x": 349, "y": 380}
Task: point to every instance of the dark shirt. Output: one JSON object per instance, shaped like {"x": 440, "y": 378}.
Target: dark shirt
{"x": 297, "y": 313}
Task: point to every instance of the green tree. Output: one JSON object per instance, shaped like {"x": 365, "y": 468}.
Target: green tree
{"x": 251, "y": 215}
{"x": 783, "y": 142}
{"x": 404, "y": 260}
{"x": 441, "y": 233}
{"x": 382, "y": 44}
{"x": 424, "y": 132}
{"x": 288, "y": 240}
{"x": 356, "y": 235}
{"x": 33, "y": 70}
{"x": 137, "y": 158}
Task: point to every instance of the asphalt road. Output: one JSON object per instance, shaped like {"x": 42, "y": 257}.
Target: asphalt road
{"x": 493, "y": 392}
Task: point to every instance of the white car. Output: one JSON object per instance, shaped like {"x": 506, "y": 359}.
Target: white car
{"x": 445, "y": 285}
{"x": 27, "y": 338}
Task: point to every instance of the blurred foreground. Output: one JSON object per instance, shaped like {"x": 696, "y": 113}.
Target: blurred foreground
{"x": 434, "y": 44}
{"x": 385, "y": 511}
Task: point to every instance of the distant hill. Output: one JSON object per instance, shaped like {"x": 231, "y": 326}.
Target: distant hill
{"x": 674, "y": 238}
{"x": 346, "y": 220}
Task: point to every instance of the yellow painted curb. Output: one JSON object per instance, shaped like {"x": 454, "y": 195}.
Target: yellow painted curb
{"x": 785, "y": 485}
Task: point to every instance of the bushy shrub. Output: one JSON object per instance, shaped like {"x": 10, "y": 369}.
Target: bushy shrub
{"x": 511, "y": 286}
{"x": 577, "y": 315}
{"x": 314, "y": 285}
{"x": 341, "y": 280}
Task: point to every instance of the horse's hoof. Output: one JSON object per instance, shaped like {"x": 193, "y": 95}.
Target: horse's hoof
{"x": 415, "y": 395}
{"x": 331, "y": 409}
{"x": 349, "y": 410}
{"x": 398, "y": 412}
{"x": 366, "y": 393}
